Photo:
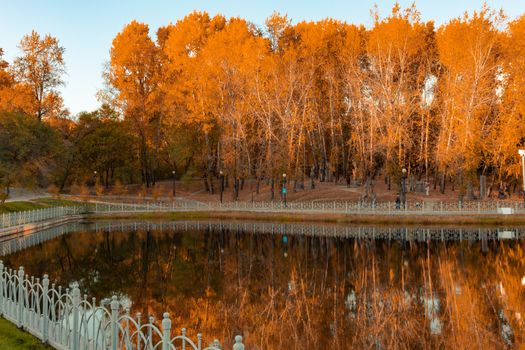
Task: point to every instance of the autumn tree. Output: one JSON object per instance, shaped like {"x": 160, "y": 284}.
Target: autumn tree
{"x": 228, "y": 62}
{"x": 134, "y": 73}
{"x": 6, "y": 81}
{"x": 507, "y": 133}
{"x": 184, "y": 88}
{"x": 5, "y": 77}
{"x": 396, "y": 49}
{"x": 40, "y": 70}
{"x": 469, "y": 53}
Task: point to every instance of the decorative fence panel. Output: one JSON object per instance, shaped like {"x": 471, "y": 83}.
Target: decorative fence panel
{"x": 68, "y": 321}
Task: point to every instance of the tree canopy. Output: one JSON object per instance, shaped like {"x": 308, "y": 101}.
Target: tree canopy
{"x": 323, "y": 99}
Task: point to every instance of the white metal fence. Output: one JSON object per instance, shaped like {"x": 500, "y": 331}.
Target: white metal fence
{"x": 333, "y": 207}
{"x": 37, "y": 215}
{"x": 68, "y": 321}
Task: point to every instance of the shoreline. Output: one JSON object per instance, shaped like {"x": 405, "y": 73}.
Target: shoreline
{"x": 280, "y": 217}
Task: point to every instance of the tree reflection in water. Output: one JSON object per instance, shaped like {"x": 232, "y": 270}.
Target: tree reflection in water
{"x": 302, "y": 292}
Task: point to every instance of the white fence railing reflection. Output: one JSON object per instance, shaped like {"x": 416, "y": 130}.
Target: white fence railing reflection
{"x": 336, "y": 207}
{"x": 66, "y": 320}
{"x": 16, "y": 243}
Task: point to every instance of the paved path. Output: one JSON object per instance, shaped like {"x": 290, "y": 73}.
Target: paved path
{"x": 22, "y": 194}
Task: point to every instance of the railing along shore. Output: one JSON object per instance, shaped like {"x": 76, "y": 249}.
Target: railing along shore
{"x": 66, "y": 320}
{"x": 434, "y": 208}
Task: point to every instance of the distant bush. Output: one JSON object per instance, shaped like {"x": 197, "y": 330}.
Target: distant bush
{"x": 118, "y": 189}
{"x": 54, "y": 191}
{"x": 74, "y": 189}
{"x": 143, "y": 192}
{"x": 157, "y": 192}
{"x": 99, "y": 189}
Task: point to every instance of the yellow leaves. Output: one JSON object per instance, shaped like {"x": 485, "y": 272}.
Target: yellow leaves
{"x": 40, "y": 68}
{"x": 469, "y": 52}
{"x": 329, "y": 92}
{"x": 135, "y": 68}
{"x": 463, "y": 42}
{"x": 399, "y": 35}
{"x": 277, "y": 26}
{"x": 17, "y": 97}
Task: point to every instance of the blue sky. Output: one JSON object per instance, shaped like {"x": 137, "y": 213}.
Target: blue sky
{"x": 86, "y": 28}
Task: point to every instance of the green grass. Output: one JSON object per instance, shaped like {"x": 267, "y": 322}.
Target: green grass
{"x": 34, "y": 204}
{"x": 13, "y": 338}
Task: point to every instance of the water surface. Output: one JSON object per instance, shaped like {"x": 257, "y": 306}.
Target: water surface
{"x": 299, "y": 286}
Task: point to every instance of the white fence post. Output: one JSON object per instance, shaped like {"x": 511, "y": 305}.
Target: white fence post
{"x": 1, "y": 287}
{"x": 149, "y": 345}
{"x": 76, "y": 304}
{"x": 45, "y": 307}
{"x": 19, "y": 314}
{"x": 114, "y": 320}
{"x": 166, "y": 329}
{"x": 138, "y": 316}
{"x": 238, "y": 343}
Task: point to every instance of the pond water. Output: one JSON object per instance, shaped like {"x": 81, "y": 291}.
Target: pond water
{"x": 298, "y": 286}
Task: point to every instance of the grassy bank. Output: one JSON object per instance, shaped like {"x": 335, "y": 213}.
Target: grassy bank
{"x": 430, "y": 220}
{"x": 13, "y": 338}
{"x": 10, "y": 207}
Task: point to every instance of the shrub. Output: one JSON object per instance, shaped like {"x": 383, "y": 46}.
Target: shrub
{"x": 99, "y": 189}
{"x": 118, "y": 189}
{"x": 157, "y": 192}
{"x": 54, "y": 191}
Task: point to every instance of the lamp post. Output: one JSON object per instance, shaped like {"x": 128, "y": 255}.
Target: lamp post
{"x": 521, "y": 152}
{"x": 173, "y": 189}
{"x": 403, "y": 187}
{"x": 284, "y": 189}
{"x": 222, "y": 182}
